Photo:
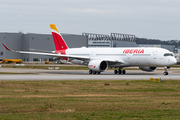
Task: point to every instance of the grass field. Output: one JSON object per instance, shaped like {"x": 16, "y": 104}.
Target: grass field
{"x": 89, "y": 100}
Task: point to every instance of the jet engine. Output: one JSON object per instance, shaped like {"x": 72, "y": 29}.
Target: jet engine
{"x": 98, "y": 65}
{"x": 148, "y": 69}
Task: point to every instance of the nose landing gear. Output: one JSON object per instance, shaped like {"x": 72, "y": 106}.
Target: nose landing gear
{"x": 165, "y": 72}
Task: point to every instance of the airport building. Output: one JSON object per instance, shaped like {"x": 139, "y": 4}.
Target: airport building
{"x": 113, "y": 40}
{"x": 98, "y": 40}
{"x": 26, "y": 42}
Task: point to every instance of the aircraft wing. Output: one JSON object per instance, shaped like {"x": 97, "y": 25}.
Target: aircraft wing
{"x": 114, "y": 60}
{"x": 43, "y": 51}
{"x": 50, "y": 54}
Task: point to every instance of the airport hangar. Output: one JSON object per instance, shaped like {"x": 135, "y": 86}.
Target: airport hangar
{"x": 26, "y": 42}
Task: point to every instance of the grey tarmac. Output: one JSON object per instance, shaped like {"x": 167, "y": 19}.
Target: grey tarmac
{"x": 43, "y": 74}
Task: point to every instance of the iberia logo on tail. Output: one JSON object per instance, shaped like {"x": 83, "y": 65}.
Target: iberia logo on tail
{"x": 59, "y": 42}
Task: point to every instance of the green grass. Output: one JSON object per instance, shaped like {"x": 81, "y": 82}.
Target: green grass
{"x": 87, "y": 99}
{"x": 175, "y": 66}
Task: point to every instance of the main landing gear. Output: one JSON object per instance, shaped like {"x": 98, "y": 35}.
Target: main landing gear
{"x": 94, "y": 72}
{"x": 165, "y": 72}
{"x": 115, "y": 72}
{"x": 119, "y": 71}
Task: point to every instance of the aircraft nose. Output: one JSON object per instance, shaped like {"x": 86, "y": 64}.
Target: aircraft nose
{"x": 173, "y": 61}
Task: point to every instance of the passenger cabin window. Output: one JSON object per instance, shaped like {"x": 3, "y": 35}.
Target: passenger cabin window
{"x": 168, "y": 54}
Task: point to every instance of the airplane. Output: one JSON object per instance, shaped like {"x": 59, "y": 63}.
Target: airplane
{"x": 100, "y": 59}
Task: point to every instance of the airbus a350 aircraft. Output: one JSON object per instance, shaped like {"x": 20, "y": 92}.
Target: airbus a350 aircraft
{"x": 99, "y": 59}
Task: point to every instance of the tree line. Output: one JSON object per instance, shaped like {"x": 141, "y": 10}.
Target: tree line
{"x": 156, "y": 41}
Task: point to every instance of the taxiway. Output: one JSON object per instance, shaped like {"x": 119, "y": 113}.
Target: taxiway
{"x": 42, "y": 74}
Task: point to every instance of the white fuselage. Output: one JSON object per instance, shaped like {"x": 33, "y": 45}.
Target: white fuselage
{"x": 153, "y": 57}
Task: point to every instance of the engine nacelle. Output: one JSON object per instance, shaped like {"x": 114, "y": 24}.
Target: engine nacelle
{"x": 98, "y": 65}
{"x": 148, "y": 69}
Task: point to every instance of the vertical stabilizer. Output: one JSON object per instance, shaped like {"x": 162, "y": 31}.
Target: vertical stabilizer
{"x": 59, "y": 42}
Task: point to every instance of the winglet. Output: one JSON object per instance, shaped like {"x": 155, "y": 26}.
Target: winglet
{"x": 6, "y": 47}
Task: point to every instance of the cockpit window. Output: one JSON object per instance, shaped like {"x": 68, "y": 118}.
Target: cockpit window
{"x": 168, "y": 54}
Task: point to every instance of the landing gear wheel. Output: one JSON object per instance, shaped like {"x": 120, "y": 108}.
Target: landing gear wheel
{"x": 98, "y": 72}
{"x": 165, "y": 73}
{"x": 115, "y": 72}
{"x": 94, "y": 72}
{"x": 90, "y": 71}
{"x": 124, "y": 72}
{"x": 119, "y": 71}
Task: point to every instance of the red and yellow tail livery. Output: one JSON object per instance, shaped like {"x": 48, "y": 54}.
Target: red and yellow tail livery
{"x": 59, "y": 42}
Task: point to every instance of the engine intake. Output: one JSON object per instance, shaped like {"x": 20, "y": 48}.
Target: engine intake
{"x": 98, "y": 65}
{"x": 148, "y": 69}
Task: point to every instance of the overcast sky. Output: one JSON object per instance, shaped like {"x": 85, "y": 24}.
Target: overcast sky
{"x": 156, "y": 19}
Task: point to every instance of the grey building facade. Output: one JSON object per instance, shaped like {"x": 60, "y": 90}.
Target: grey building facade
{"x": 117, "y": 43}
{"x": 12, "y": 40}
{"x": 25, "y": 42}
{"x": 113, "y": 40}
